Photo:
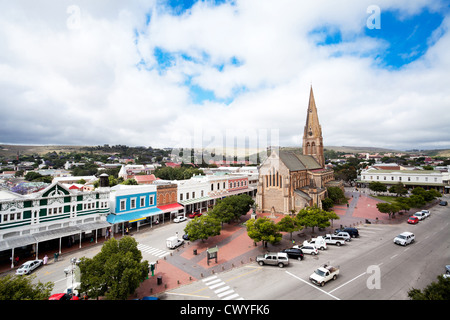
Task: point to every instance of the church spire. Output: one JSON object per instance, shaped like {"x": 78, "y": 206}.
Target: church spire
{"x": 312, "y": 136}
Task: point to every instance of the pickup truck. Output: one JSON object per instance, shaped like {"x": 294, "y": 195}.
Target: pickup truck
{"x": 331, "y": 239}
{"x": 324, "y": 274}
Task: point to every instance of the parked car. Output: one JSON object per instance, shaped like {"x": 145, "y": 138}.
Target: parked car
{"x": 332, "y": 239}
{"x": 413, "y": 220}
{"x": 180, "y": 219}
{"x": 344, "y": 235}
{"x": 280, "y": 259}
{"x": 319, "y": 243}
{"x": 353, "y": 232}
{"x": 195, "y": 214}
{"x": 185, "y": 236}
{"x": 63, "y": 296}
{"x": 404, "y": 238}
{"x": 427, "y": 213}
{"x": 29, "y": 267}
{"x": 294, "y": 253}
{"x": 307, "y": 248}
{"x": 443, "y": 203}
{"x": 420, "y": 215}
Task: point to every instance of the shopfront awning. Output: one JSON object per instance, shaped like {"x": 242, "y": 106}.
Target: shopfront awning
{"x": 196, "y": 200}
{"x": 171, "y": 207}
{"x": 132, "y": 216}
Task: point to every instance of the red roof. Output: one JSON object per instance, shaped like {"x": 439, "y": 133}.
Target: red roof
{"x": 145, "y": 178}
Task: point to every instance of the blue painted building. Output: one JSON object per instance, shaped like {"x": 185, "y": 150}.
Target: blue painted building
{"x": 133, "y": 206}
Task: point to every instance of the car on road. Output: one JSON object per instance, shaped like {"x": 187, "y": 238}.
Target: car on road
{"x": 420, "y": 215}
{"x": 324, "y": 274}
{"x": 29, "y": 266}
{"x": 195, "y": 214}
{"x": 307, "y": 248}
{"x": 443, "y": 203}
{"x": 405, "y": 238}
{"x": 280, "y": 259}
{"x": 413, "y": 220}
{"x": 294, "y": 253}
{"x": 180, "y": 219}
{"x": 427, "y": 213}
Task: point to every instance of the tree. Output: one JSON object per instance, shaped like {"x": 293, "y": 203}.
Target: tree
{"x": 416, "y": 201}
{"x": 337, "y": 195}
{"x": 202, "y": 227}
{"x": 315, "y": 217}
{"x": 439, "y": 290}
{"x": 289, "y": 224}
{"x": 377, "y": 186}
{"x": 389, "y": 208}
{"x": 115, "y": 272}
{"x": 32, "y": 175}
{"x": 327, "y": 204}
{"x": 231, "y": 208}
{"x": 263, "y": 229}
{"x": 22, "y": 288}
{"x": 403, "y": 203}
{"x": 398, "y": 189}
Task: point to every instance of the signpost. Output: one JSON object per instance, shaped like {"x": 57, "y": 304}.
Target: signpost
{"x": 211, "y": 253}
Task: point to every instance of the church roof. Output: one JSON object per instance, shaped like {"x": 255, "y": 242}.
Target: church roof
{"x": 296, "y": 162}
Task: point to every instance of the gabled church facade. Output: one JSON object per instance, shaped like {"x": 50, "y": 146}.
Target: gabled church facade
{"x": 290, "y": 181}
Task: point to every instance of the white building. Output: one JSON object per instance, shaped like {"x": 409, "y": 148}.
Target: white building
{"x": 426, "y": 179}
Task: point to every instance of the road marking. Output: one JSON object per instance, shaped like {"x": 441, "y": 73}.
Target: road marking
{"x": 312, "y": 285}
{"x": 153, "y": 251}
{"x": 223, "y": 291}
{"x": 348, "y": 282}
{"x": 394, "y": 256}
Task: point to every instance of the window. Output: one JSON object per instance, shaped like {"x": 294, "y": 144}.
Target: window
{"x": 218, "y": 185}
{"x": 151, "y": 200}
{"x": 224, "y": 185}
{"x": 123, "y": 204}
{"x": 142, "y": 202}
{"x": 181, "y": 196}
{"x": 187, "y": 195}
{"x": 201, "y": 193}
{"x": 133, "y": 203}
{"x": 212, "y": 187}
{"x": 193, "y": 195}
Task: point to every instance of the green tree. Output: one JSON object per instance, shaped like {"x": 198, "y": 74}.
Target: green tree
{"x": 263, "y": 229}
{"x": 327, "y": 204}
{"x": 315, "y": 217}
{"x": 289, "y": 224}
{"x": 416, "y": 201}
{"x": 232, "y": 208}
{"x": 398, "y": 189}
{"x": 32, "y": 175}
{"x": 202, "y": 227}
{"x": 22, "y": 288}
{"x": 439, "y": 290}
{"x": 377, "y": 186}
{"x": 115, "y": 272}
{"x": 389, "y": 208}
{"x": 337, "y": 195}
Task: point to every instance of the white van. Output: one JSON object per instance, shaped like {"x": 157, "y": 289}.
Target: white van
{"x": 404, "y": 238}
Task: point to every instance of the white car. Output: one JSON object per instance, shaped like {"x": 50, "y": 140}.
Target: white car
{"x": 308, "y": 248}
{"x": 427, "y": 213}
{"x": 420, "y": 215}
{"x": 180, "y": 219}
{"x": 29, "y": 266}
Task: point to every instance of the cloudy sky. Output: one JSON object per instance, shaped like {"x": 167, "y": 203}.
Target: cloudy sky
{"x": 200, "y": 73}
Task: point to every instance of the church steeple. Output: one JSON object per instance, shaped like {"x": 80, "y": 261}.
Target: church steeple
{"x": 312, "y": 136}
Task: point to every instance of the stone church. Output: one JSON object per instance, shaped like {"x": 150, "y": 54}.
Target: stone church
{"x": 290, "y": 181}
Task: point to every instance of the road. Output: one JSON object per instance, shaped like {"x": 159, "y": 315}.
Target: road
{"x": 372, "y": 267}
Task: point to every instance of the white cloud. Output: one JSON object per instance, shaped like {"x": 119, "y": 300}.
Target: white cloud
{"x": 84, "y": 86}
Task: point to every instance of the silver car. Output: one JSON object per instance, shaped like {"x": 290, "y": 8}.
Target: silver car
{"x": 29, "y": 266}
{"x": 273, "y": 258}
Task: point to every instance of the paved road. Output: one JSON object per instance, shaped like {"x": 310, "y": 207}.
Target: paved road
{"x": 372, "y": 267}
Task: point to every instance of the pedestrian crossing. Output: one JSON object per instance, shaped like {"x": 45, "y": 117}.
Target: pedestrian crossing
{"x": 220, "y": 288}
{"x": 152, "y": 251}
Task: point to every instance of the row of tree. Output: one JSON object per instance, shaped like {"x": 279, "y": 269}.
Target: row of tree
{"x": 418, "y": 198}
{"x": 225, "y": 211}
{"x": 266, "y": 230}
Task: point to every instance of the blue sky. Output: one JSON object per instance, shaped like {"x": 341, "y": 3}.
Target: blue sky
{"x": 150, "y": 72}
